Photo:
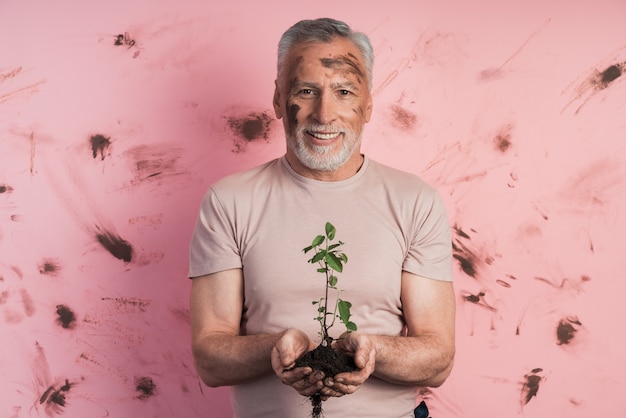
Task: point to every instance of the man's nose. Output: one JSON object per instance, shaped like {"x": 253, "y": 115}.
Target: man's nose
{"x": 325, "y": 109}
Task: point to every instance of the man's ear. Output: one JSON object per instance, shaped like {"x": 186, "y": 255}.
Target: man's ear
{"x": 278, "y": 109}
{"x": 368, "y": 108}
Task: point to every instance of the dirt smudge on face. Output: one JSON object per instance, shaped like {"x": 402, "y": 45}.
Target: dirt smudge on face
{"x": 66, "y": 317}
{"x": 347, "y": 64}
{"x": 100, "y": 145}
{"x": 117, "y": 246}
{"x": 291, "y": 119}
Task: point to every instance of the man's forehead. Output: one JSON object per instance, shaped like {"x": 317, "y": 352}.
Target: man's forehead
{"x": 316, "y": 49}
{"x": 337, "y": 54}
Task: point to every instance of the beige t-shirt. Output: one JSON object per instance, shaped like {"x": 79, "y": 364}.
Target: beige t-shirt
{"x": 261, "y": 219}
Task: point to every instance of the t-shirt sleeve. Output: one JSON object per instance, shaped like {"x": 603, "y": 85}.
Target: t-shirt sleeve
{"x": 430, "y": 250}
{"x": 213, "y": 246}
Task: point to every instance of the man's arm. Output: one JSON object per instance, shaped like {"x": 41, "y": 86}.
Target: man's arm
{"x": 221, "y": 356}
{"x": 224, "y": 357}
{"x": 423, "y": 357}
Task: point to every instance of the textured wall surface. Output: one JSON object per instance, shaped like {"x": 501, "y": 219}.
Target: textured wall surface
{"x": 116, "y": 116}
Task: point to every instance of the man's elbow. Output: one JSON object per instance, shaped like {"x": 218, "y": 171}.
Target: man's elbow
{"x": 207, "y": 377}
{"x": 443, "y": 375}
{"x": 206, "y": 368}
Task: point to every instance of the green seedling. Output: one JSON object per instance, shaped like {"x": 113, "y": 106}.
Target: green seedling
{"x": 330, "y": 259}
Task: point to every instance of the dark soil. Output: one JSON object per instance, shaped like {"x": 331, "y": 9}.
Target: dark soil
{"x": 331, "y": 362}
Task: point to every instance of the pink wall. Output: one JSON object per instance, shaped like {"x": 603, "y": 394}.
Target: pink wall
{"x": 515, "y": 110}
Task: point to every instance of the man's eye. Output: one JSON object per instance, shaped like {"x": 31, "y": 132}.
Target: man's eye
{"x": 345, "y": 92}
{"x": 306, "y": 92}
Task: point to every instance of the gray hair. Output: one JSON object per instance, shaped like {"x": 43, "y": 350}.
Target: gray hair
{"x": 323, "y": 30}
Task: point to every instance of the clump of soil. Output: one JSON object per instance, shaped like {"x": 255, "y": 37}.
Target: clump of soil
{"x": 329, "y": 361}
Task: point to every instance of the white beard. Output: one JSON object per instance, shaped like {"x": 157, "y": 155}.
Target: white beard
{"x": 320, "y": 157}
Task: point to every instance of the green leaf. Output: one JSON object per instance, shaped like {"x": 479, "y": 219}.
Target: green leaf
{"x": 343, "y": 257}
{"x": 333, "y": 262}
{"x": 344, "y": 311}
{"x": 318, "y": 257}
{"x": 318, "y": 240}
{"x": 322, "y": 270}
{"x": 330, "y": 231}
{"x": 332, "y": 247}
{"x": 307, "y": 249}
{"x": 332, "y": 281}
{"x": 351, "y": 326}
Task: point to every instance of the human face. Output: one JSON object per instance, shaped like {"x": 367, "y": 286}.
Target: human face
{"x": 324, "y": 101}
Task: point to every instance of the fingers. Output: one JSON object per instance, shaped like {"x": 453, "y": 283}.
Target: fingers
{"x": 304, "y": 380}
{"x": 291, "y": 345}
{"x": 347, "y": 383}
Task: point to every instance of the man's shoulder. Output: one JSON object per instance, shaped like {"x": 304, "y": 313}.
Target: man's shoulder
{"x": 250, "y": 176}
{"x": 397, "y": 178}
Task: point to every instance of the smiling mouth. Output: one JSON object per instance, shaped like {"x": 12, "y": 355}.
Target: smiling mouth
{"x": 324, "y": 135}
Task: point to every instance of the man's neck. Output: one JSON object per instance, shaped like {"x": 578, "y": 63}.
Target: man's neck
{"x": 349, "y": 169}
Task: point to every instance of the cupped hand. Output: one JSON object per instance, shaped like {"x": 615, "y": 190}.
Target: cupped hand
{"x": 290, "y": 346}
{"x": 362, "y": 349}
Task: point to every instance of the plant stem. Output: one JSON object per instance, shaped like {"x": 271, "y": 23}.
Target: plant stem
{"x": 325, "y": 336}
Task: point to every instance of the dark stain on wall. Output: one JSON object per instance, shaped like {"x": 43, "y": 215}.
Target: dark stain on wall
{"x": 10, "y": 74}
{"x": 530, "y": 387}
{"x": 50, "y": 267}
{"x": 249, "y": 127}
{"x": 565, "y": 283}
{"x": 467, "y": 262}
{"x": 610, "y": 74}
{"x": 466, "y": 258}
{"x": 66, "y": 317}
{"x": 597, "y": 81}
{"x": 154, "y": 163}
{"x": 145, "y": 387}
{"x": 55, "y": 398}
{"x": 124, "y": 39}
{"x": 124, "y": 304}
{"x": 502, "y": 141}
{"x": 478, "y": 299}
{"x": 402, "y": 118}
{"x": 566, "y": 330}
{"x": 27, "y": 302}
{"x": 117, "y": 246}
{"x": 5, "y": 188}
{"x": 100, "y": 145}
